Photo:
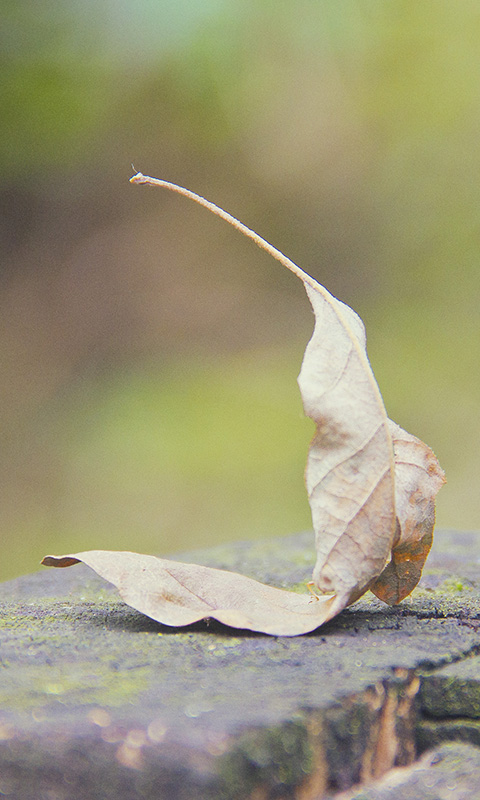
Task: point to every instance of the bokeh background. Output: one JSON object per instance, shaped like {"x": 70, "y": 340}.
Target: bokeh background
{"x": 149, "y": 353}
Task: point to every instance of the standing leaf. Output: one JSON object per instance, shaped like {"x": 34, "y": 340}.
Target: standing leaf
{"x": 350, "y": 473}
{"x": 350, "y": 467}
{"x": 371, "y": 488}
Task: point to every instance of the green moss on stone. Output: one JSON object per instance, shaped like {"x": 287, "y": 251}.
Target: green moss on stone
{"x": 432, "y": 733}
{"x": 448, "y": 696}
{"x": 278, "y": 758}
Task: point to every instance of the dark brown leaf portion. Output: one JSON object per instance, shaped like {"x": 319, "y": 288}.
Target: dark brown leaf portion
{"x": 418, "y": 477}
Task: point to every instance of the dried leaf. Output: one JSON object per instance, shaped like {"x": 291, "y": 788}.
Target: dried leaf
{"x": 179, "y": 594}
{"x": 371, "y": 488}
{"x": 418, "y": 478}
{"x": 350, "y": 473}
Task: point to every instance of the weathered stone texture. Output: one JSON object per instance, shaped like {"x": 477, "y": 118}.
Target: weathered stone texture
{"x": 451, "y": 772}
{"x": 98, "y": 701}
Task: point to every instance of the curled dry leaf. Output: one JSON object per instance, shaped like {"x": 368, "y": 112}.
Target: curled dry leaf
{"x": 179, "y": 594}
{"x": 371, "y": 488}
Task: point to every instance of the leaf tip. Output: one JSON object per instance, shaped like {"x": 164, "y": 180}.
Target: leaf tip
{"x": 137, "y": 178}
{"x": 59, "y": 561}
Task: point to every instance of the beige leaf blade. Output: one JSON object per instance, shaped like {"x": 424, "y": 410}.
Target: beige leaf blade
{"x": 418, "y": 478}
{"x": 179, "y": 594}
{"x": 350, "y": 473}
{"x": 350, "y": 467}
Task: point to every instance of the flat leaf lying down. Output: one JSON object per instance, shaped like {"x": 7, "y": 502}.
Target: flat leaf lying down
{"x": 178, "y": 594}
{"x": 371, "y": 488}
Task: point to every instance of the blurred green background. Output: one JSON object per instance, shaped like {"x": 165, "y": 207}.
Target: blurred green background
{"x": 149, "y": 353}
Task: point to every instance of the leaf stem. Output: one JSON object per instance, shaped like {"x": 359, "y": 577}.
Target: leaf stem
{"x": 286, "y": 262}
{"x": 219, "y": 212}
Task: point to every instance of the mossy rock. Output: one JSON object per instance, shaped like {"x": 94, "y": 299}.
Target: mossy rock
{"x": 98, "y": 700}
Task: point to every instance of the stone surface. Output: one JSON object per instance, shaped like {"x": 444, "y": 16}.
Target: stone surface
{"x": 452, "y": 772}
{"x": 453, "y": 690}
{"x": 97, "y": 700}
{"x": 449, "y": 702}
